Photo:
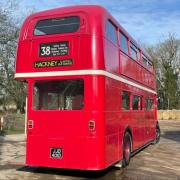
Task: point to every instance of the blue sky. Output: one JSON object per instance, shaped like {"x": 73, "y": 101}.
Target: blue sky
{"x": 148, "y": 21}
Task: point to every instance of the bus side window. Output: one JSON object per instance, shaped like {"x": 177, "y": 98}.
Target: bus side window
{"x": 148, "y": 104}
{"x": 136, "y": 103}
{"x": 134, "y": 52}
{"x": 150, "y": 66}
{"x": 111, "y": 33}
{"x": 144, "y": 60}
{"x": 123, "y": 43}
{"x": 125, "y": 100}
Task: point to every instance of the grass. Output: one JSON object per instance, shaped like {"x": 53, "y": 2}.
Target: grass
{"x": 13, "y": 124}
{"x": 14, "y": 131}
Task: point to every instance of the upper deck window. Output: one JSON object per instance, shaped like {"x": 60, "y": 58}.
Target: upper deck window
{"x": 111, "y": 32}
{"x": 145, "y": 60}
{"x": 57, "y": 26}
{"x": 123, "y": 43}
{"x": 135, "y": 54}
{"x": 150, "y": 66}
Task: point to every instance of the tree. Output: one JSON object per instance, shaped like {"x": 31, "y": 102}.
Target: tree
{"x": 10, "y": 91}
{"x": 166, "y": 57}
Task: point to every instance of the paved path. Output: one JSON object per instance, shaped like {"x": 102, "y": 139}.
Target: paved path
{"x": 156, "y": 162}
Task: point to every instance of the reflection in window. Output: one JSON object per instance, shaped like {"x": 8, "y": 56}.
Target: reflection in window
{"x": 145, "y": 60}
{"x": 111, "y": 32}
{"x": 137, "y": 103}
{"x": 36, "y": 97}
{"x": 57, "y": 25}
{"x": 150, "y": 66}
{"x": 59, "y": 95}
{"x": 125, "y": 100}
{"x": 123, "y": 43}
{"x": 135, "y": 54}
{"x": 148, "y": 104}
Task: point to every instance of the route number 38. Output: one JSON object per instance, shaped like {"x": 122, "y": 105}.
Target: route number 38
{"x": 45, "y": 51}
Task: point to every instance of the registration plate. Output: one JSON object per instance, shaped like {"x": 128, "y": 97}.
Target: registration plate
{"x": 54, "y": 49}
{"x": 56, "y": 152}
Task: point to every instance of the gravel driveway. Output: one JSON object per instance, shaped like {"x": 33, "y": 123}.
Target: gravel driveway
{"x": 161, "y": 161}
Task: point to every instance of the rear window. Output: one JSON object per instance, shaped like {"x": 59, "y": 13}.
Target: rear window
{"x": 58, "y": 95}
{"x": 57, "y": 26}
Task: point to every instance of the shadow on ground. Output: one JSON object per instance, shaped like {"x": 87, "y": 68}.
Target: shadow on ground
{"x": 110, "y": 173}
{"x": 1, "y": 146}
{"x": 172, "y": 135}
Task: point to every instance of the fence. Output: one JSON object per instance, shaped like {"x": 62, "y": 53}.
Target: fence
{"x": 168, "y": 114}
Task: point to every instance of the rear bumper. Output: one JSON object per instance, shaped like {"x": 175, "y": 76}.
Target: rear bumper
{"x": 85, "y": 153}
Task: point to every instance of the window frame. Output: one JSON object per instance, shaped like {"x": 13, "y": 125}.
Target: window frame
{"x": 53, "y": 91}
{"x": 121, "y": 34}
{"x": 146, "y": 102}
{"x": 106, "y": 31}
{"x": 136, "y": 50}
{"x": 150, "y": 68}
{"x": 49, "y": 34}
{"x": 140, "y": 106}
{"x": 146, "y": 59}
{"x": 129, "y": 93}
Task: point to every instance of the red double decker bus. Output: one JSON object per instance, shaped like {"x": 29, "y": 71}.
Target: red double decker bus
{"x": 91, "y": 89}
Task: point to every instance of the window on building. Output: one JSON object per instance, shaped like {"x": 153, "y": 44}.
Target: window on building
{"x": 125, "y": 100}
{"x": 58, "y": 95}
{"x": 57, "y": 26}
{"x": 123, "y": 43}
{"x": 111, "y": 32}
{"x": 137, "y": 103}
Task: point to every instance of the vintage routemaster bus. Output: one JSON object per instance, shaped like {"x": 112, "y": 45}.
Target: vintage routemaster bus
{"x": 91, "y": 89}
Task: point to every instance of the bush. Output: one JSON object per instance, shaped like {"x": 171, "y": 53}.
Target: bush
{"x": 13, "y": 123}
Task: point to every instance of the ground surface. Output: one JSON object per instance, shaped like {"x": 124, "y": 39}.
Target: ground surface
{"x": 161, "y": 161}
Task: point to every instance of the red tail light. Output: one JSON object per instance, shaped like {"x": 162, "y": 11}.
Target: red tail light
{"x": 30, "y": 124}
{"x": 92, "y": 125}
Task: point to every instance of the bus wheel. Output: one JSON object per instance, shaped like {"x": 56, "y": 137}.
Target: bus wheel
{"x": 126, "y": 149}
{"x": 158, "y": 134}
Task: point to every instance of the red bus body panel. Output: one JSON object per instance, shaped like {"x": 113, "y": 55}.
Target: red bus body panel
{"x": 91, "y": 51}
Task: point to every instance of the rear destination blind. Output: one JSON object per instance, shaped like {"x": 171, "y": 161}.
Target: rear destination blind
{"x": 57, "y": 26}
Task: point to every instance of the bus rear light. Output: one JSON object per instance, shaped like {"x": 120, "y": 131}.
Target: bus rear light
{"x": 92, "y": 125}
{"x": 30, "y": 124}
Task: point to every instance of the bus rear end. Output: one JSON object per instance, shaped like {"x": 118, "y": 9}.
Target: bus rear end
{"x": 65, "y": 101}
{"x": 64, "y": 128}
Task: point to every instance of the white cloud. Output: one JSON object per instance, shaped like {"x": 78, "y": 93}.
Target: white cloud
{"x": 145, "y": 20}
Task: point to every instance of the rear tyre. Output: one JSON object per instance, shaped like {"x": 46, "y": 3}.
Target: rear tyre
{"x": 126, "y": 149}
{"x": 158, "y": 134}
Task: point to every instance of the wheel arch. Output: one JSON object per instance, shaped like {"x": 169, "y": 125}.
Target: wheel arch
{"x": 128, "y": 130}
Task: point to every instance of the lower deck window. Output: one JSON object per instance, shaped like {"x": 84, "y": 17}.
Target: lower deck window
{"x": 125, "y": 100}
{"x": 148, "y": 104}
{"x": 137, "y": 103}
{"x": 58, "y": 95}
